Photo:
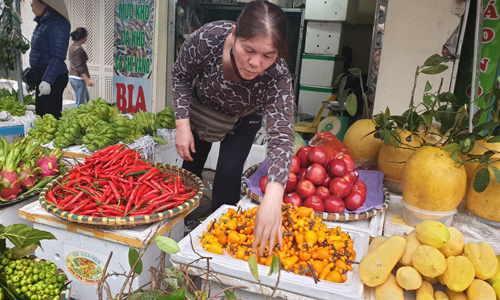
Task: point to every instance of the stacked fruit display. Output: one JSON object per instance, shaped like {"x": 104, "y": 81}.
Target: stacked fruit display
{"x": 309, "y": 247}
{"x": 323, "y": 183}
{"x": 431, "y": 254}
{"x": 30, "y": 280}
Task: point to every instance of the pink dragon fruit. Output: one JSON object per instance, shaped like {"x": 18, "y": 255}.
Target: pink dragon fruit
{"x": 28, "y": 175}
{"x": 48, "y": 164}
{"x": 10, "y": 186}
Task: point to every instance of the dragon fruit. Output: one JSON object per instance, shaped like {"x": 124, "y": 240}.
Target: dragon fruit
{"x": 10, "y": 185}
{"x": 49, "y": 165}
{"x": 28, "y": 174}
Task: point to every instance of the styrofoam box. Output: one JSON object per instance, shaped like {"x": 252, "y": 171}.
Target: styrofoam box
{"x": 323, "y": 38}
{"x": 226, "y": 265}
{"x": 257, "y": 155}
{"x": 311, "y": 99}
{"x": 9, "y": 216}
{"x": 167, "y": 154}
{"x": 97, "y": 244}
{"x": 332, "y": 10}
{"x": 320, "y": 70}
{"x": 373, "y": 226}
{"x": 395, "y": 210}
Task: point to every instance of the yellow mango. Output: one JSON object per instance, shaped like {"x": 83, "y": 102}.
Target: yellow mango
{"x": 429, "y": 261}
{"x": 376, "y": 242}
{"x": 459, "y": 273}
{"x": 389, "y": 290}
{"x": 411, "y": 244}
{"x": 431, "y": 280}
{"x": 480, "y": 290}
{"x": 455, "y": 245}
{"x": 425, "y": 292}
{"x": 375, "y": 267}
{"x": 496, "y": 287}
{"x": 483, "y": 258}
{"x": 432, "y": 233}
{"x": 439, "y": 295}
{"x": 456, "y": 296}
{"x": 408, "y": 278}
{"x": 497, "y": 275}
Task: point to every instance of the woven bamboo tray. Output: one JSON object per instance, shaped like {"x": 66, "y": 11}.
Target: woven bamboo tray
{"x": 337, "y": 217}
{"x": 190, "y": 180}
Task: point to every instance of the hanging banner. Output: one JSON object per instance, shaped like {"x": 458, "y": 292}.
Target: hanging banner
{"x": 133, "y": 65}
{"x": 490, "y": 57}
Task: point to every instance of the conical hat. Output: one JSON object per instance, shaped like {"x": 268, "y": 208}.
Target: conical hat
{"x": 59, "y": 6}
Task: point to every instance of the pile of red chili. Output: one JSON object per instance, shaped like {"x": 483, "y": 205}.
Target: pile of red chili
{"x": 115, "y": 182}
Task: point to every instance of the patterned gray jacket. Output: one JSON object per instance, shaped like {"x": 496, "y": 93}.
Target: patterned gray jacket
{"x": 270, "y": 94}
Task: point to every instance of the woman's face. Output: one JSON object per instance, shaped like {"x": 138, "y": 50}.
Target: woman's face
{"x": 38, "y": 7}
{"x": 254, "y": 56}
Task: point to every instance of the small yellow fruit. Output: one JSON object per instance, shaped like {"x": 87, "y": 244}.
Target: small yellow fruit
{"x": 377, "y": 241}
{"x": 456, "y": 296}
{"x": 432, "y": 233}
{"x": 480, "y": 290}
{"x": 483, "y": 258}
{"x": 411, "y": 244}
{"x": 408, "y": 278}
{"x": 389, "y": 290}
{"x": 366, "y": 147}
{"x": 439, "y": 295}
{"x": 429, "y": 261}
{"x": 455, "y": 245}
{"x": 497, "y": 275}
{"x": 459, "y": 273}
{"x": 425, "y": 292}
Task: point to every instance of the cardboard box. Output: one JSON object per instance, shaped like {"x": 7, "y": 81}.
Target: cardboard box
{"x": 320, "y": 70}
{"x": 323, "y": 38}
{"x": 332, "y": 10}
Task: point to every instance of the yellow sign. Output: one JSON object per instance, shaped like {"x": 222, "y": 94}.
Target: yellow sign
{"x": 85, "y": 267}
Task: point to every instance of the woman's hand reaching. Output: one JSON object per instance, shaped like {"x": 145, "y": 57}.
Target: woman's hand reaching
{"x": 184, "y": 140}
{"x": 268, "y": 221}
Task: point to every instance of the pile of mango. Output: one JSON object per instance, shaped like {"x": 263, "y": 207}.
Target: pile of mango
{"x": 431, "y": 254}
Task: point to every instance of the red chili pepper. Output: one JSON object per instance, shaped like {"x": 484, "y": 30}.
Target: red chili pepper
{"x": 87, "y": 212}
{"x": 165, "y": 207}
{"x": 131, "y": 182}
{"x": 136, "y": 158}
{"x": 148, "y": 174}
{"x": 141, "y": 213}
{"x": 74, "y": 200}
{"x": 144, "y": 200}
{"x": 78, "y": 207}
{"x": 51, "y": 198}
{"x": 131, "y": 199}
{"x": 115, "y": 190}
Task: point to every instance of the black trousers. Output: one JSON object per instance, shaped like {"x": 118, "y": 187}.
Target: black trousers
{"x": 53, "y": 102}
{"x": 233, "y": 153}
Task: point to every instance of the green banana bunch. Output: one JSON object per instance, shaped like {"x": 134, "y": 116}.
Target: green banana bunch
{"x": 13, "y": 106}
{"x": 99, "y": 136}
{"x": 69, "y": 114}
{"x": 113, "y": 110}
{"x": 68, "y": 133}
{"x": 126, "y": 130}
{"x": 44, "y": 129}
{"x": 147, "y": 121}
{"x": 166, "y": 118}
{"x": 89, "y": 114}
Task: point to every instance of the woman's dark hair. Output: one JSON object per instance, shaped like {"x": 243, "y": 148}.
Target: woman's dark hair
{"x": 78, "y": 34}
{"x": 262, "y": 18}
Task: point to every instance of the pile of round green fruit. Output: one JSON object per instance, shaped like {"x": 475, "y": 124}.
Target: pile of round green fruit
{"x": 29, "y": 279}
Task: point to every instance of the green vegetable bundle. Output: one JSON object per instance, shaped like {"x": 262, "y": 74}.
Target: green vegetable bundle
{"x": 99, "y": 136}
{"x": 68, "y": 133}
{"x": 166, "y": 118}
{"x": 13, "y": 106}
{"x": 147, "y": 121}
{"x": 44, "y": 129}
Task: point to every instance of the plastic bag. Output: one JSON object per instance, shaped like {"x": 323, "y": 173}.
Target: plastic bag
{"x": 330, "y": 143}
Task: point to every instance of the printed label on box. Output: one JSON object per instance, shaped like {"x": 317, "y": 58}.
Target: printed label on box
{"x": 83, "y": 266}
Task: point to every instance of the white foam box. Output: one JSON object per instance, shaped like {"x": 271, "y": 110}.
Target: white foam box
{"x": 9, "y": 216}
{"x": 291, "y": 283}
{"x": 166, "y": 154}
{"x": 332, "y": 10}
{"x": 256, "y": 155}
{"x": 77, "y": 241}
{"x": 323, "y": 38}
{"x": 320, "y": 70}
{"x": 311, "y": 99}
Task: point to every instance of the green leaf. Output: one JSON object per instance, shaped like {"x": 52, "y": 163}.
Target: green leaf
{"x": 447, "y": 119}
{"x": 427, "y": 100}
{"x": 434, "y": 60}
{"x": 477, "y": 116}
{"x": 496, "y": 92}
{"x": 427, "y": 116}
{"x": 337, "y": 80}
{"x": 453, "y": 147}
{"x": 275, "y": 266}
{"x": 466, "y": 145}
{"x": 396, "y": 143}
{"x": 252, "y": 264}
{"x": 6, "y": 291}
{"x": 400, "y": 121}
{"x": 379, "y": 119}
{"x": 448, "y": 97}
{"x": 167, "y": 244}
{"x": 133, "y": 255}
{"x": 179, "y": 294}
{"x": 495, "y": 139}
{"x": 435, "y": 70}
{"x": 355, "y": 71}
{"x": 484, "y": 126}
{"x": 352, "y": 104}
{"x": 387, "y": 136}
{"x": 455, "y": 157}
{"x": 428, "y": 86}
{"x": 387, "y": 113}
{"x": 496, "y": 171}
{"x": 173, "y": 277}
{"x": 22, "y": 235}
{"x": 481, "y": 180}
{"x": 342, "y": 85}
{"x": 229, "y": 295}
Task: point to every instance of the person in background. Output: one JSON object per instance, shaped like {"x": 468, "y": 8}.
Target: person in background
{"x": 78, "y": 72}
{"x": 49, "y": 45}
{"x": 228, "y": 70}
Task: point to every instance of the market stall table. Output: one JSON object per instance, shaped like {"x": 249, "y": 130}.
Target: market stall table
{"x": 8, "y": 128}
{"x": 77, "y": 243}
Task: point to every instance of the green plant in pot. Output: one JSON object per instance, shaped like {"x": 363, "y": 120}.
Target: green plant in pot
{"x": 434, "y": 176}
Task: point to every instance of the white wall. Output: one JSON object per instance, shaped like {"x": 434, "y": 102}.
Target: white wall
{"x": 414, "y": 31}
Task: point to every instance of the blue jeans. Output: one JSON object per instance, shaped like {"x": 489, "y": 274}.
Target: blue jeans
{"x": 80, "y": 88}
